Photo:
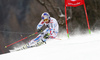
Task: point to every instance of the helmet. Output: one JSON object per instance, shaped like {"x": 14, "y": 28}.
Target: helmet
{"x": 45, "y": 16}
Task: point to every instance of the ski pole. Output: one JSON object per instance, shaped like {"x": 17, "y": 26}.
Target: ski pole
{"x": 21, "y": 40}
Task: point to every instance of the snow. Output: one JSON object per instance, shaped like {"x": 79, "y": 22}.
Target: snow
{"x": 77, "y": 47}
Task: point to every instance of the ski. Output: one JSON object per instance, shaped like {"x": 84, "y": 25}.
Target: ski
{"x": 26, "y": 46}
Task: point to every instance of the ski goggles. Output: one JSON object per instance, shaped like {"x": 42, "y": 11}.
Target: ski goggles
{"x": 45, "y": 20}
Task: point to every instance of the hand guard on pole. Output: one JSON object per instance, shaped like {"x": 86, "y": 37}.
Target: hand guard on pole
{"x": 46, "y": 36}
{"x": 39, "y": 30}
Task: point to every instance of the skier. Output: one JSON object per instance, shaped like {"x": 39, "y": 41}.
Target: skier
{"x": 50, "y": 32}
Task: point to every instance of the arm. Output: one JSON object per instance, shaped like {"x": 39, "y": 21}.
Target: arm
{"x": 41, "y": 23}
{"x": 53, "y": 26}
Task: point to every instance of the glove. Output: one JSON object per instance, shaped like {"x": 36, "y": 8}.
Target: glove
{"x": 47, "y": 26}
{"x": 46, "y": 36}
{"x": 39, "y": 30}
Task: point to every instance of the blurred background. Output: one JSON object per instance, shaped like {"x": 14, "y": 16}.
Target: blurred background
{"x": 19, "y": 18}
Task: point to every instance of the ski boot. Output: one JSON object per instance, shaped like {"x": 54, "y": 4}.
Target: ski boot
{"x": 40, "y": 43}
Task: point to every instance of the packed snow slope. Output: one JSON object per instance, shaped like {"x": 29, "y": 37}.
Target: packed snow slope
{"x": 77, "y": 47}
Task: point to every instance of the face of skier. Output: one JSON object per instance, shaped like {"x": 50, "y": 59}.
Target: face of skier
{"x": 46, "y": 20}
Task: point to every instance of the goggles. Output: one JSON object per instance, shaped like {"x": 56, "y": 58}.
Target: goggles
{"x": 45, "y": 20}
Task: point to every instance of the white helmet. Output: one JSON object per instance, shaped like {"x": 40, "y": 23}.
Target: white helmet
{"x": 45, "y": 15}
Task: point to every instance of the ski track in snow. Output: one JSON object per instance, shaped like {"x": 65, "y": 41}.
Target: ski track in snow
{"x": 77, "y": 47}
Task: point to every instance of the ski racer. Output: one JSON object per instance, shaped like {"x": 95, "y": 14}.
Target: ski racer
{"x": 50, "y": 32}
